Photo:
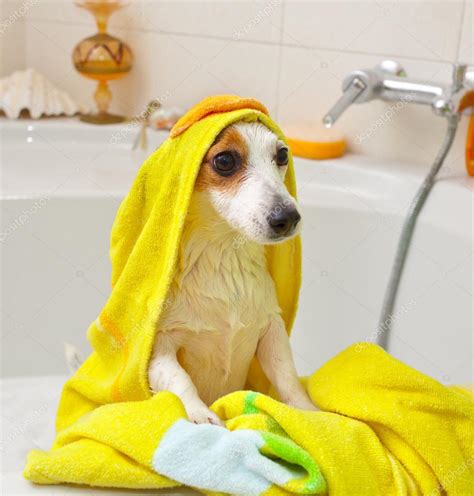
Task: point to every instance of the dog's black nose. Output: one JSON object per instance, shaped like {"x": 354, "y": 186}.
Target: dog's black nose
{"x": 283, "y": 220}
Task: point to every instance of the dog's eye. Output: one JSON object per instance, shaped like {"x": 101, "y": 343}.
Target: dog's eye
{"x": 282, "y": 156}
{"x": 225, "y": 163}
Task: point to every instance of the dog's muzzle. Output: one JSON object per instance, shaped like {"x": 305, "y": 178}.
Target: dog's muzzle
{"x": 283, "y": 221}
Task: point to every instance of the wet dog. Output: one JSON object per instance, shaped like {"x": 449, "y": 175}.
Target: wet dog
{"x": 223, "y": 308}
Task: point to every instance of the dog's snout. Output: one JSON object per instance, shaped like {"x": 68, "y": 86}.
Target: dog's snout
{"x": 284, "y": 220}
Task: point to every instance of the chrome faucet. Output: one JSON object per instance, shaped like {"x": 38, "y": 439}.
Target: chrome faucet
{"x": 388, "y": 81}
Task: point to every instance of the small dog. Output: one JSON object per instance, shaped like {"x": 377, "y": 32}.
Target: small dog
{"x": 223, "y": 308}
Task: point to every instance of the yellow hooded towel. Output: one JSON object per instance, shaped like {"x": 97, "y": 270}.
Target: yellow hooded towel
{"x": 387, "y": 429}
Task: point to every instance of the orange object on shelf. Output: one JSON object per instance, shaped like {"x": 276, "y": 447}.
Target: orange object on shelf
{"x": 314, "y": 141}
{"x": 470, "y": 147}
{"x": 318, "y": 150}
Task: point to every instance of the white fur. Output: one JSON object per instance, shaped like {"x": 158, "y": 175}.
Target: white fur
{"x": 222, "y": 307}
{"x": 262, "y": 193}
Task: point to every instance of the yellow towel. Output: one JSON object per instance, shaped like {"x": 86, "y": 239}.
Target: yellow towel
{"x": 144, "y": 247}
{"x": 392, "y": 430}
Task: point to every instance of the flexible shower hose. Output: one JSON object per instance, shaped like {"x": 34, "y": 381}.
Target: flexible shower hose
{"x": 386, "y": 317}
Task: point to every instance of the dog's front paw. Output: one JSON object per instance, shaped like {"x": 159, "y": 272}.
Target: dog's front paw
{"x": 202, "y": 415}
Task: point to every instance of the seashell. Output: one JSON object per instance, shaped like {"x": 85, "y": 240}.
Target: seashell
{"x": 32, "y": 91}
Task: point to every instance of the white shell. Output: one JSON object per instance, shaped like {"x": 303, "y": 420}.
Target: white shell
{"x": 32, "y": 91}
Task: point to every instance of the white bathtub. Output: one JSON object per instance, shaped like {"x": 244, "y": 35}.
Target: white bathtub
{"x": 62, "y": 182}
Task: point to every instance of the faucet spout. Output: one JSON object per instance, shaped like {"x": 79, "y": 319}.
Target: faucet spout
{"x": 388, "y": 81}
{"x": 354, "y": 89}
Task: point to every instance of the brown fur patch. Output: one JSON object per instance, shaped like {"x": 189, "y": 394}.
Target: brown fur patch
{"x": 228, "y": 140}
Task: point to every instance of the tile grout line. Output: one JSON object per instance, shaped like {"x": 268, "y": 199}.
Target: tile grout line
{"x": 280, "y": 61}
{"x": 301, "y": 46}
{"x": 461, "y": 25}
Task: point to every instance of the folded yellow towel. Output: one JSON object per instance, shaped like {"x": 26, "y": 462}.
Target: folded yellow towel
{"x": 387, "y": 429}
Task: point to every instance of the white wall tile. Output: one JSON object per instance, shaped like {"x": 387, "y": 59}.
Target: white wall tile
{"x": 311, "y": 83}
{"x": 12, "y": 36}
{"x": 466, "y": 46}
{"x": 64, "y": 11}
{"x": 49, "y": 47}
{"x": 246, "y": 20}
{"x": 180, "y": 70}
{"x": 13, "y": 10}
{"x": 422, "y": 29}
{"x": 67, "y": 12}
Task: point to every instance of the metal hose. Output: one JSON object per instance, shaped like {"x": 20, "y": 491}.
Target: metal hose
{"x": 386, "y": 317}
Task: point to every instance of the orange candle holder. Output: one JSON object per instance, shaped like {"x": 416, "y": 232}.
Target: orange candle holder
{"x": 103, "y": 58}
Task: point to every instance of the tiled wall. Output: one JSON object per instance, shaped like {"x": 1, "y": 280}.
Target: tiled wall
{"x": 291, "y": 55}
{"x": 12, "y": 37}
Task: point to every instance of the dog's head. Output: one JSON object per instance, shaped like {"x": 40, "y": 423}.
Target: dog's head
{"x": 243, "y": 175}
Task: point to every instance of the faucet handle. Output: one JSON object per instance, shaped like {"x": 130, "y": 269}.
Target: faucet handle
{"x": 352, "y": 91}
{"x": 463, "y": 88}
{"x": 391, "y": 67}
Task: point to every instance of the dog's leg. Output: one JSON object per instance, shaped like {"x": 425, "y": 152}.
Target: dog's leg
{"x": 276, "y": 359}
{"x": 166, "y": 374}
